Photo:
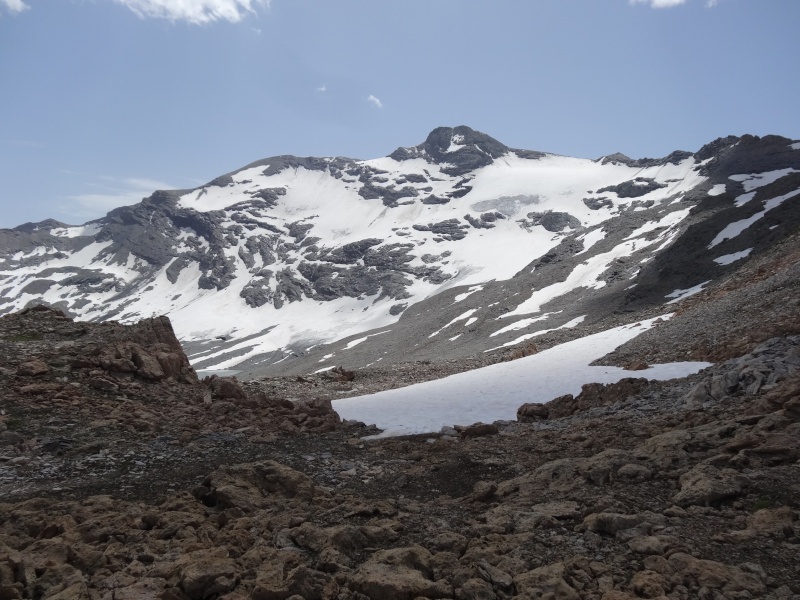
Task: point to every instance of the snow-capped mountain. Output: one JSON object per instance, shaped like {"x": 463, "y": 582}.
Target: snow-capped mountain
{"x": 455, "y": 247}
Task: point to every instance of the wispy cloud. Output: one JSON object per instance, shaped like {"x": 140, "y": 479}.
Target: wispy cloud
{"x": 22, "y": 144}
{"x": 322, "y": 89}
{"x": 107, "y": 194}
{"x": 14, "y": 6}
{"x": 375, "y": 101}
{"x": 659, "y": 3}
{"x": 193, "y": 11}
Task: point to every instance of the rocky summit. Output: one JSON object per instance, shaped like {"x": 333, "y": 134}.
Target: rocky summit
{"x": 125, "y": 476}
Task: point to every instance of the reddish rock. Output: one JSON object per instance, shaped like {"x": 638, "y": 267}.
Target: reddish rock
{"x": 33, "y": 368}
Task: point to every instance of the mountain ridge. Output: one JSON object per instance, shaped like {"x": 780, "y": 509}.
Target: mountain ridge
{"x": 315, "y": 252}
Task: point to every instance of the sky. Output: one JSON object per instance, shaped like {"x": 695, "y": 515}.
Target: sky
{"x": 104, "y": 101}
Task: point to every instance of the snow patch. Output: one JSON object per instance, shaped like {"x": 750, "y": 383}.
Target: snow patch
{"x": 717, "y": 190}
{"x": 754, "y": 181}
{"x": 679, "y": 295}
{"x": 737, "y": 227}
{"x": 568, "y": 325}
{"x": 590, "y": 239}
{"x": 470, "y": 291}
{"x": 730, "y": 258}
{"x": 495, "y": 392}
{"x": 355, "y": 343}
{"x": 80, "y": 231}
{"x": 523, "y": 323}
{"x": 461, "y": 317}
{"x": 744, "y": 198}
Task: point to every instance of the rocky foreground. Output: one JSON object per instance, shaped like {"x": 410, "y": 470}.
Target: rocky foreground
{"x": 125, "y": 477}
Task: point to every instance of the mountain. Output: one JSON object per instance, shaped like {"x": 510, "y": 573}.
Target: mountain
{"x": 457, "y": 247}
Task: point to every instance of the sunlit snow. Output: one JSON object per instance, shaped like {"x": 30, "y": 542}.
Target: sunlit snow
{"x": 754, "y": 181}
{"x": 495, "y": 392}
{"x": 717, "y": 190}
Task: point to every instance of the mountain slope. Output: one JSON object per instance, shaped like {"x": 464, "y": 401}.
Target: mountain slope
{"x": 451, "y": 248}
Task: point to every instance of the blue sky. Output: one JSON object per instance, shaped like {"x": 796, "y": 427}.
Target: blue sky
{"x": 104, "y": 101}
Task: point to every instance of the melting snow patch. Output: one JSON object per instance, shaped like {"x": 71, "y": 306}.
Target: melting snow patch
{"x": 590, "y": 239}
{"x": 79, "y": 231}
{"x": 679, "y": 295}
{"x": 355, "y": 343}
{"x": 461, "y": 317}
{"x": 795, "y": 146}
{"x": 471, "y": 290}
{"x": 326, "y": 357}
{"x": 495, "y": 392}
{"x": 757, "y": 180}
{"x": 730, "y": 258}
{"x": 523, "y": 323}
{"x": 734, "y": 229}
{"x": 568, "y": 325}
{"x": 717, "y": 190}
{"x": 744, "y": 198}
{"x": 323, "y": 369}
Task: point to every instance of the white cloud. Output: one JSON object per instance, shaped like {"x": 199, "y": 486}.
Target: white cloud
{"x": 375, "y": 101}
{"x": 659, "y": 3}
{"x": 193, "y": 11}
{"x": 15, "y": 6}
{"x": 322, "y": 89}
{"x": 110, "y": 193}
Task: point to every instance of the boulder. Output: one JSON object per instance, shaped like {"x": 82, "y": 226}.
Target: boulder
{"x": 253, "y": 486}
{"x": 33, "y": 368}
{"x": 545, "y": 582}
{"x": 705, "y": 485}
{"x": 399, "y": 574}
{"x": 530, "y": 412}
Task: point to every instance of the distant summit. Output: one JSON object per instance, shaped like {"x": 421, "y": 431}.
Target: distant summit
{"x": 461, "y": 148}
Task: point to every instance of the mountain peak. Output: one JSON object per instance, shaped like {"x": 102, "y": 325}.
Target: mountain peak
{"x": 462, "y": 148}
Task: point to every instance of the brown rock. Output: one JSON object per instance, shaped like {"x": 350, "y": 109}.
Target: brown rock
{"x": 255, "y": 485}
{"x": 636, "y": 366}
{"x": 611, "y": 523}
{"x": 395, "y": 582}
{"x": 483, "y": 490}
{"x": 147, "y": 365}
{"x": 448, "y": 541}
{"x": 547, "y": 581}
{"x": 705, "y": 484}
{"x": 225, "y": 387}
{"x": 651, "y": 544}
{"x": 716, "y": 575}
{"x": 77, "y": 591}
{"x": 475, "y": 589}
{"x": 36, "y": 389}
{"x": 205, "y": 573}
{"x": 478, "y": 430}
{"x": 530, "y": 412}
{"x": 33, "y": 368}
{"x": 648, "y": 584}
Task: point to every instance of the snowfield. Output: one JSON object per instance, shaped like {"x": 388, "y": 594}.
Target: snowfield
{"x": 496, "y": 392}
